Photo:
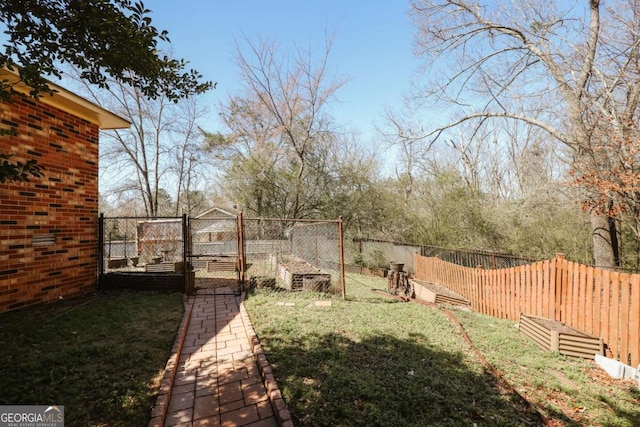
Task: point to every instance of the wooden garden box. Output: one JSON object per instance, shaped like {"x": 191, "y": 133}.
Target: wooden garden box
{"x": 165, "y": 267}
{"x": 431, "y": 292}
{"x": 295, "y": 275}
{"x": 552, "y": 335}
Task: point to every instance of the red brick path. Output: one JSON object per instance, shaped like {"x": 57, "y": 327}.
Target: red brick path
{"x": 218, "y": 380}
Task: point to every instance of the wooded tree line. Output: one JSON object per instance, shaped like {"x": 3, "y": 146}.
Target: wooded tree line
{"x": 537, "y": 116}
{"x": 498, "y": 188}
{"x": 520, "y": 136}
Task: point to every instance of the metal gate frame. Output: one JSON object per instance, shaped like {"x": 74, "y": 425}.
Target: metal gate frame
{"x": 191, "y": 254}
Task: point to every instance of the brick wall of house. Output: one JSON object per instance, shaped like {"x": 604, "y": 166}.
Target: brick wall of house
{"x": 48, "y": 227}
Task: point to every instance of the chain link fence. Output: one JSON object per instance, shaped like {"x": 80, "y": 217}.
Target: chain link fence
{"x": 143, "y": 254}
{"x": 293, "y": 254}
{"x": 466, "y": 258}
{"x": 379, "y": 254}
{"x": 142, "y": 244}
{"x": 225, "y": 254}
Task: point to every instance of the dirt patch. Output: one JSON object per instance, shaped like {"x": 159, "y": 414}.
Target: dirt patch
{"x": 218, "y": 283}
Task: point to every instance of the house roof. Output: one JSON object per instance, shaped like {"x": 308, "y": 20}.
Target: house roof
{"x": 216, "y": 212}
{"x": 69, "y": 102}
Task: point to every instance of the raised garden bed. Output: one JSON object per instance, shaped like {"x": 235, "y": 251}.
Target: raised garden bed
{"x": 211, "y": 263}
{"x": 165, "y": 267}
{"x": 220, "y": 265}
{"x": 432, "y": 292}
{"x": 552, "y": 335}
{"x": 302, "y": 275}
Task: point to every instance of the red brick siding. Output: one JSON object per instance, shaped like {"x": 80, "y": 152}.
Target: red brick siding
{"x": 64, "y": 202}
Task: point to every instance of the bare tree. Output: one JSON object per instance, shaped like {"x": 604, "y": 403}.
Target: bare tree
{"x": 160, "y": 152}
{"x": 405, "y": 132}
{"x": 188, "y": 157}
{"x": 562, "y": 67}
{"x": 279, "y": 129}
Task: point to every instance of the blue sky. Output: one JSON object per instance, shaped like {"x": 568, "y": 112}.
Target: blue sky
{"x": 372, "y": 46}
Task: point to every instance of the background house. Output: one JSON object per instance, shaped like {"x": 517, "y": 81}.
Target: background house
{"x": 214, "y": 232}
{"x": 48, "y": 226}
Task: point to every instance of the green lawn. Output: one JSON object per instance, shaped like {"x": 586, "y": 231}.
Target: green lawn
{"x": 573, "y": 390}
{"x": 364, "y": 361}
{"x": 371, "y": 361}
{"x": 101, "y": 357}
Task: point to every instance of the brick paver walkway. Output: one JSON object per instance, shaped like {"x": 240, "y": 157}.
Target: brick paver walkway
{"x": 216, "y": 380}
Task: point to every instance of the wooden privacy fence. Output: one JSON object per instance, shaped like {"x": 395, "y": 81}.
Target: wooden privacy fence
{"x": 599, "y": 302}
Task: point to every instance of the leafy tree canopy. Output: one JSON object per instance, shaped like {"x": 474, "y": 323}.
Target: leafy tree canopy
{"x": 100, "y": 37}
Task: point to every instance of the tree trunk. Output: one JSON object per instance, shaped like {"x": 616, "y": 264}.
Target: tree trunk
{"x": 603, "y": 249}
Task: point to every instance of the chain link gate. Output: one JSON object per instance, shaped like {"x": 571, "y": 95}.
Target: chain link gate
{"x": 215, "y": 254}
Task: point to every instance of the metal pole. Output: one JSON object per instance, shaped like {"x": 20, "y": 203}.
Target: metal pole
{"x": 317, "y": 255}
{"x": 186, "y": 260}
{"x": 100, "y": 245}
{"x": 241, "y": 255}
{"x": 344, "y": 291}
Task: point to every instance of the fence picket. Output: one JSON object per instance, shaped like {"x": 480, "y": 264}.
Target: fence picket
{"x": 492, "y": 286}
{"x": 589, "y": 300}
{"x": 530, "y": 288}
{"x": 581, "y": 303}
{"x": 614, "y": 318}
{"x": 507, "y": 294}
{"x": 623, "y": 326}
{"x": 574, "y": 304}
{"x": 526, "y": 289}
{"x": 519, "y": 293}
{"x": 598, "y": 292}
{"x": 511, "y": 296}
{"x": 539, "y": 284}
{"x": 634, "y": 320}
{"x": 502, "y": 293}
{"x": 479, "y": 290}
{"x": 546, "y": 286}
{"x": 564, "y": 285}
{"x": 517, "y": 290}
{"x": 496, "y": 290}
{"x": 486, "y": 292}
{"x": 523, "y": 291}
{"x": 553, "y": 287}
{"x": 605, "y": 321}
